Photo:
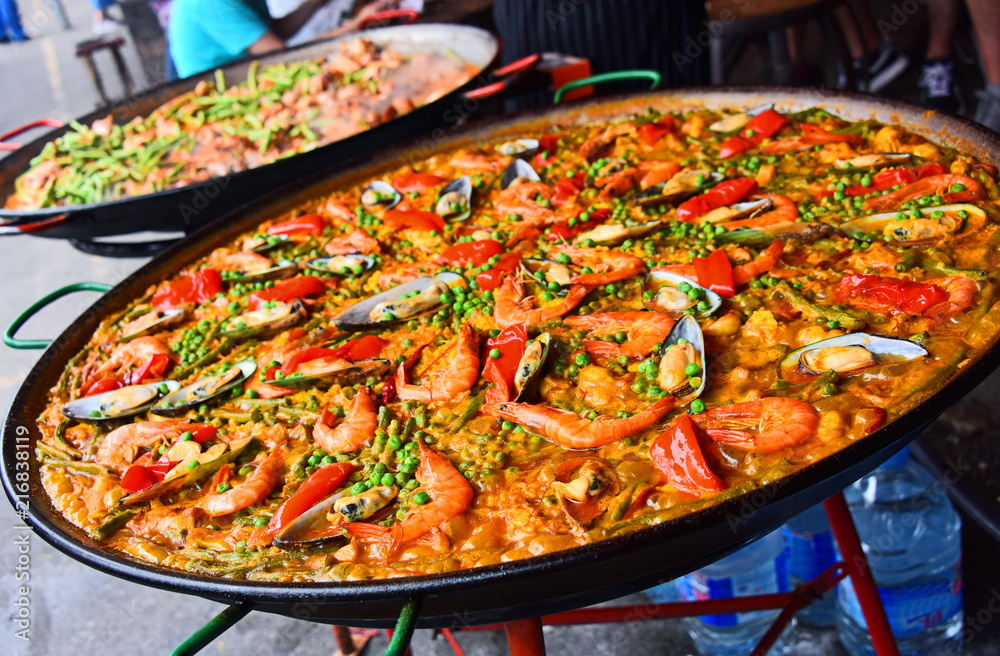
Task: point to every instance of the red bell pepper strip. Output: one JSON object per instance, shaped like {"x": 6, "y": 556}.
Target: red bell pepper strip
{"x": 156, "y": 365}
{"x": 204, "y": 434}
{"x": 563, "y": 232}
{"x": 677, "y": 454}
{"x": 199, "y": 288}
{"x": 159, "y": 470}
{"x": 409, "y": 182}
{"x": 722, "y": 194}
{"x": 389, "y": 385}
{"x": 492, "y": 278}
{"x": 309, "y": 354}
{"x": 881, "y": 294}
{"x": 884, "y": 180}
{"x": 735, "y": 146}
{"x": 102, "y": 386}
{"x": 472, "y": 253}
{"x": 322, "y": 483}
{"x": 716, "y": 273}
{"x": 363, "y": 348}
{"x": 650, "y": 133}
{"x": 307, "y": 224}
{"x": 287, "y": 290}
{"x": 415, "y": 219}
{"x": 500, "y": 371}
{"x": 136, "y": 478}
{"x": 547, "y": 145}
{"x": 764, "y": 125}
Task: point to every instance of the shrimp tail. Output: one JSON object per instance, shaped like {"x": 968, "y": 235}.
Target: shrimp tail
{"x": 602, "y": 349}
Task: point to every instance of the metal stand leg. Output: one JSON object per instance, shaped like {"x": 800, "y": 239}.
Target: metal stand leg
{"x": 122, "y": 70}
{"x": 857, "y": 568}
{"x": 525, "y": 637}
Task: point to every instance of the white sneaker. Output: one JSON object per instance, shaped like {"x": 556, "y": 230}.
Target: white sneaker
{"x": 106, "y": 26}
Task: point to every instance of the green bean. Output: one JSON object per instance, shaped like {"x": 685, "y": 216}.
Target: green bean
{"x": 112, "y": 524}
{"x": 910, "y": 259}
{"x": 60, "y": 453}
{"x": 74, "y": 465}
{"x": 813, "y": 310}
{"x": 942, "y": 269}
{"x": 472, "y": 406}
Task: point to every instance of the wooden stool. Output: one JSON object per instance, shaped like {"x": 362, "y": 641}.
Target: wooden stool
{"x": 112, "y": 42}
{"x": 739, "y": 19}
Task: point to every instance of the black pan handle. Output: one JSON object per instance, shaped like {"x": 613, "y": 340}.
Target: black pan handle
{"x": 122, "y": 249}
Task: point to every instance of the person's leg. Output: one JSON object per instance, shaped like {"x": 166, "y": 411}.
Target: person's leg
{"x": 859, "y": 28}
{"x": 937, "y": 80}
{"x": 11, "y": 21}
{"x": 986, "y": 19}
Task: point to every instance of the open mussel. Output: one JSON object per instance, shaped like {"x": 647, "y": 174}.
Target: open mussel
{"x": 455, "y": 201}
{"x": 934, "y": 223}
{"x": 847, "y": 354}
{"x": 555, "y": 276}
{"x": 323, "y": 522}
{"x": 872, "y": 161}
{"x": 122, "y": 402}
{"x": 399, "y": 303}
{"x": 530, "y": 368}
{"x": 738, "y": 121}
{"x": 675, "y": 295}
{"x": 586, "y": 487}
{"x": 350, "y": 264}
{"x": 280, "y": 271}
{"x": 679, "y": 187}
{"x": 263, "y": 243}
{"x": 612, "y": 234}
{"x": 266, "y": 320}
{"x": 152, "y": 322}
{"x": 183, "y": 399}
{"x": 332, "y": 371}
{"x": 380, "y": 196}
{"x": 522, "y": 148}
{"x": 518, "y": 172}
{"x": 744, "y": 210}
{"x": 803, "y": 233}
{"x": 682, "y": 360}
{"x": 197, "y": 466}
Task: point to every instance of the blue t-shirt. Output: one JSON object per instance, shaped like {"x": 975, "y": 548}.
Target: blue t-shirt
{"x": 205, "y": 34}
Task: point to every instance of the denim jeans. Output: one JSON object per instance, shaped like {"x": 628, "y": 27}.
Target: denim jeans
{"x": 10, "y": 22}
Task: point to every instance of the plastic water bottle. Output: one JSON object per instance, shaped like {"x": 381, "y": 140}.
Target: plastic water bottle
{"x": 912, "y": 538}
{"x": 813, "y": 551}
{"x": 760, "y": 568}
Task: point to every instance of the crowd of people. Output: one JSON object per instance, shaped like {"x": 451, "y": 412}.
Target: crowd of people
{"x": 205, "y": 34}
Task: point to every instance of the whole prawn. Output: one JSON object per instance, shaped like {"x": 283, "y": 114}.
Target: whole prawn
{"x": 354, "y": 432}
{"x": 511, "y": 306}
{"x": 128, "y": 356}
{"x": 780, "y": 423}
{"x": 445, "y": 383}
{"x": 520, "y": 199}
{"x": 744, "y": 272}
{"x": 353, "y": 242}
{"x": 260, "y": 483}
{"x": 644, "y": 329}
{"x": 450, "y": 495}
{"x": 570, "y": 431}
{"x": 939, "y": 185}
{"x": 961, "y": 291}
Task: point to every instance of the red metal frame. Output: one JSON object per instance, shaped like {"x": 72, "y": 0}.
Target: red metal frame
{"x": 525, "y": 636}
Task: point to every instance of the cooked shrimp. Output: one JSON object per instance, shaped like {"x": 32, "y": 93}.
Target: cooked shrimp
{"x": 656, "y": 171}
{"x": 609, "y": 266}
{"x": 570, "y": 431}
{"x": 961, "y": 291}
{"x": 784, "y": 211}
{"x": 599, "y": 145}
{"x": 477, "y": 161}
{"x": 447, "y": 382}
{"x": 934, "y": 185}
{"x": 354, "y": 432}
{"x": 227, "y": 260}
{"x": 450, "y": 495}
{"x": 131, "y": 355}
{"x": 744, "y": 272}
{"x": 522, "y": 200}
{"x": 338, "y": 209}
{"x": 354, "y": 242}
{"x": 119, "y": 447}
{"x": 618, "y": 183}
{"x": 280, "y": 354}
{"x": 644, "y": 329}
{"x": 780, "y": 423}
{"x": 260, "y": 483}
{"x": 511, "y": 306}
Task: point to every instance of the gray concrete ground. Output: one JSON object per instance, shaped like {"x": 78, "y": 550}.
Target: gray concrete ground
{"x": 77, "y": 610}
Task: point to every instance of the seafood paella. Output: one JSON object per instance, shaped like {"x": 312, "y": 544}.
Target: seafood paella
{"x": 528, "y": 345}
{"x": 214, "y": 130}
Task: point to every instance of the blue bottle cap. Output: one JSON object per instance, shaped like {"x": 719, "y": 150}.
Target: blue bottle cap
{"x": 900, "y": 459}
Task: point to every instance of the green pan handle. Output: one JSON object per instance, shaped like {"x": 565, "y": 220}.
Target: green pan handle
{"x": 637, "y": 74}
{"x": 13, "y": 342}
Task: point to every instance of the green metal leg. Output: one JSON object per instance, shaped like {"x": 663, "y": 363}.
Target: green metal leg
{"x": 215, "y": 627}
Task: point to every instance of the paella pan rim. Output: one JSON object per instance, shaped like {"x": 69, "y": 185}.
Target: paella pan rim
{"x": 541, "y": 584}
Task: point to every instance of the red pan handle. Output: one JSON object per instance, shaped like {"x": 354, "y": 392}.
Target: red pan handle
{"x": 45, "y": 122}
{"x": 409, "y": 16}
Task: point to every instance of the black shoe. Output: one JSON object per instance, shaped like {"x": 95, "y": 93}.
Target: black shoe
{"x": 886, "y": 65}
{"x": 938, "y": 88}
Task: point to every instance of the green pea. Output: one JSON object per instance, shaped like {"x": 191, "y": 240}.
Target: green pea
{"x": 358, "y": 488}
{"x": 495, "y": 353}
{"x": 222, "y": 487}
{"x": 692, "y": 369}
{"x": 260, "y": 521}
{"x": 187, "y": 436}
{"x": 582, "y": 359}
{"x": 421, "y": 498}
{"x": 697, "y": 406}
